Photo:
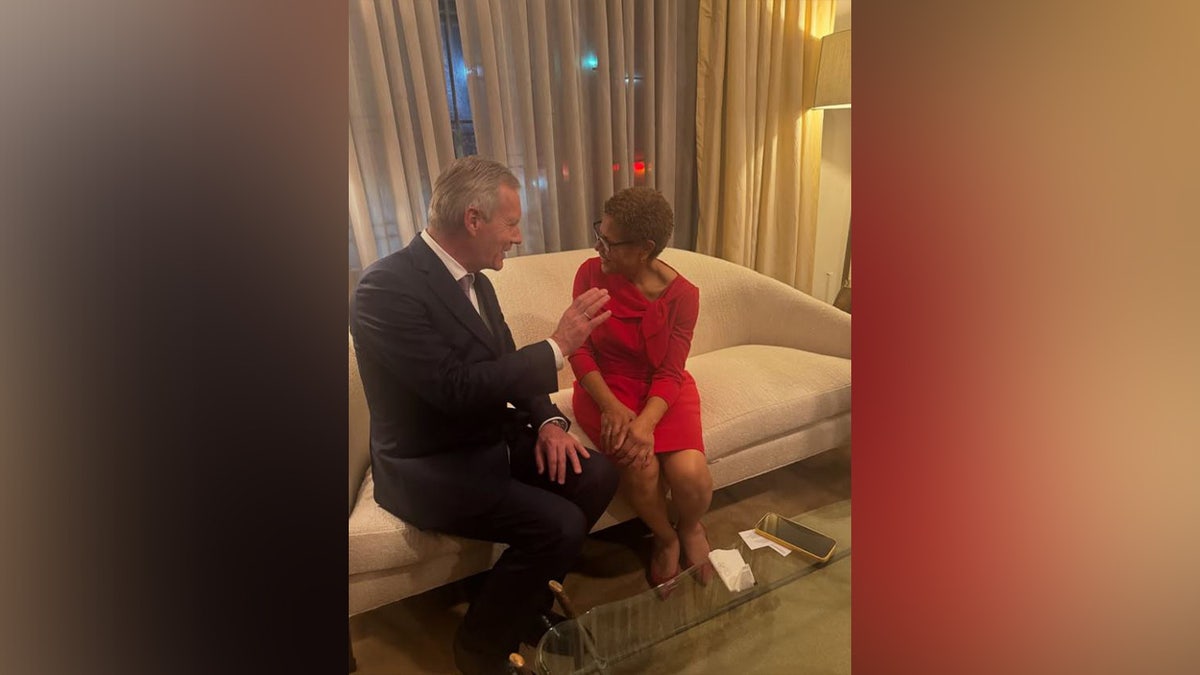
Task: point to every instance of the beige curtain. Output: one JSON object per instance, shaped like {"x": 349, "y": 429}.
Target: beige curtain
{"x": 581, "y": 99}
{"x": 758, "y": 150}
{"x": 400, "y": 135}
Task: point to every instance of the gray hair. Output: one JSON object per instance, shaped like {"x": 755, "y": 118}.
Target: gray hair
{"x": 468, "y": 182}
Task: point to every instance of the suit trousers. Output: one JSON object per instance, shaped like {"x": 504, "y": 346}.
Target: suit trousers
{"x": 544, "y": 525}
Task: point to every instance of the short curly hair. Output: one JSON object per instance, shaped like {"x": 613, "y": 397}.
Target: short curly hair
{"x": 642, "y": 213}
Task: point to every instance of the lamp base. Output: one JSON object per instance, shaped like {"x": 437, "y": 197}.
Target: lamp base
{"x": 842, "y": 301}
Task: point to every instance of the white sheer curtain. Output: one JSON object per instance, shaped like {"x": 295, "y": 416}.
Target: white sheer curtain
{"x": 759, "y": 144}
{"x": 582, "y": 99}
{"x": 579, "y": 98}
{"x": 400, "y": 135}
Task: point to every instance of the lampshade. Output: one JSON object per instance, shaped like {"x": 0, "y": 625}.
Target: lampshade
{"x": 833, "y": 73}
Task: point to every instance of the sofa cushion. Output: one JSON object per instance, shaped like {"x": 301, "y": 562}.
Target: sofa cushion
{"x": 750, "y": 394}
{"x": 381, "y": 541}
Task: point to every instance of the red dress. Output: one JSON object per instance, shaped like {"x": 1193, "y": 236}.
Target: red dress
{"x": 640, "y": 352}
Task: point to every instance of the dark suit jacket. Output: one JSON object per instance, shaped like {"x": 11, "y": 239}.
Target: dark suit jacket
{"x": 438, "y": 382}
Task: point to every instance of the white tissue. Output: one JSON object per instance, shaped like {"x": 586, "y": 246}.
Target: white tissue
{"x": 732, "y": 569}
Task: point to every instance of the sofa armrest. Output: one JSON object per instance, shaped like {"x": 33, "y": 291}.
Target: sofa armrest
{"x": 360, "y": 429}
{"x": 781, "y": 315}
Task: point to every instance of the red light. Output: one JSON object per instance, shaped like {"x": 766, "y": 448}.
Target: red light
{"x": 639, "y": 167}
{"x": 616, "y": 167}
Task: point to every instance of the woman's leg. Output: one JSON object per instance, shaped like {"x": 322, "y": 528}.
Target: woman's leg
{"x": 691, "y": 484}
{"x": 640, "y": 486}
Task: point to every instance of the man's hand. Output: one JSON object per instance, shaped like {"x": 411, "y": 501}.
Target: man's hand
{"x": 638, "y": 447}
{"x": 579, "y": 319}
{"x": 614, "y": 425}
{"x": 555, "y": 448}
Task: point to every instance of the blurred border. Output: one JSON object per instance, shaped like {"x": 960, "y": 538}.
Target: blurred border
{"x": 172, "y": 288}
{"x": 1025, "y": 370}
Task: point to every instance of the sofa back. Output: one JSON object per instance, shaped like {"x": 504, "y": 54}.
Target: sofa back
{"x": 737, "y": 306}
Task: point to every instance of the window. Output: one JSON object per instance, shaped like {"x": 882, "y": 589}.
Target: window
{"x": 455, "y": 73}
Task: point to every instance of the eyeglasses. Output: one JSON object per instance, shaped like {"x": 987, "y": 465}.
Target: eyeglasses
{"x": 605, "y": 244}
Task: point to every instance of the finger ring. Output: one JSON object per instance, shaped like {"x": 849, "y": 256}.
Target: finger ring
{"x": 589, "y": 316}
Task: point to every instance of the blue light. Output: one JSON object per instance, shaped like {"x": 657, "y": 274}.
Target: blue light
{"x": 590, "y": 61}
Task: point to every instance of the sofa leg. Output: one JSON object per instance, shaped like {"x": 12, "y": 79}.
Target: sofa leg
{"x": 350, "y": 645}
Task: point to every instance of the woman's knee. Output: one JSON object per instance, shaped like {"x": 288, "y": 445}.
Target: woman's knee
{"x": 641, "y": 478}
{"x": 690, "y": 478}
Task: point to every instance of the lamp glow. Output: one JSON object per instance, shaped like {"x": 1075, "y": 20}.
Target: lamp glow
{"x": 833, "y": 73}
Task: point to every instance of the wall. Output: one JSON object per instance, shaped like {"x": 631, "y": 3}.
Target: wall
{"x": 833, "y": 208}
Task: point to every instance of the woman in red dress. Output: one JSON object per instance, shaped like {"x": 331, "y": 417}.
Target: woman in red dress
{"x": 632, "y": 395}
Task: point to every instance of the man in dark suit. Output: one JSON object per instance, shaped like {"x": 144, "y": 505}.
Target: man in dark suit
{"x": 448, "y": 451}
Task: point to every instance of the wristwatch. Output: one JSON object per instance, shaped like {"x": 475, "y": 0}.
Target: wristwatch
{"x": 559, "y": 422}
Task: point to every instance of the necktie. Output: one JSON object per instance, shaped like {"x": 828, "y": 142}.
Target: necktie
{"x": 465, "y": 284}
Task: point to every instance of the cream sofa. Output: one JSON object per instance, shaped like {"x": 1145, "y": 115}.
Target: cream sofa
{"x": 772, "y": 365}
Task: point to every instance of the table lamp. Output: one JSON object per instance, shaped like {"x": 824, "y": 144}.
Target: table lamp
{"x": 833, "y": 91}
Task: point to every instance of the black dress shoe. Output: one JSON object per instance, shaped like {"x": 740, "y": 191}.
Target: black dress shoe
{"x": 540, "y": 624}
{"x": 473, "y": 661}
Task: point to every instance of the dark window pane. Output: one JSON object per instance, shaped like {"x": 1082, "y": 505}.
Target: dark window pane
{"x": 456, "y": 74}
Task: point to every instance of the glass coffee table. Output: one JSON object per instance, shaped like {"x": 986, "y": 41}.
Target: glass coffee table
{"x": 796, "y": 618}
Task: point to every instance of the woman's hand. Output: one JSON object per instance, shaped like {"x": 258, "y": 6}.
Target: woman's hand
{"x": 638, "y": 448}
{"x": 614, "y": 425}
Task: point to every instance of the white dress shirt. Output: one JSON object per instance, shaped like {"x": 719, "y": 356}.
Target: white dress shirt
{"x": 458, "y": 272}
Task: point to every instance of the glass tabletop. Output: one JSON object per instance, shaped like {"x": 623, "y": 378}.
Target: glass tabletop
{"x": 628, "y": 634}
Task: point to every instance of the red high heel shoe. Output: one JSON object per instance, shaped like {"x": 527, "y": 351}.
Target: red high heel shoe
{"x": 663, "y": 586}
{"x": 663, "y": 583}
{"x": 704, "y": 569}
{"x": 656, "y": 580}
